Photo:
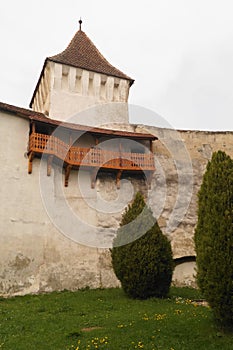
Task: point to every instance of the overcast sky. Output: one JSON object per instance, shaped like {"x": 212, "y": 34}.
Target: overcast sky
{"x": 180, "y": 53}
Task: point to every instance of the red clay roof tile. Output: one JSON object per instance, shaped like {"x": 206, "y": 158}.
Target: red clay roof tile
{"x": 82, "y": 53}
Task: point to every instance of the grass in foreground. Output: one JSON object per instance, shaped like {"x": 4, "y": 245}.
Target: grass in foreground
{"x": 107, "y": 319}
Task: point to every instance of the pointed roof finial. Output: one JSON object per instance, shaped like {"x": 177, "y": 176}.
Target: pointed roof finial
{"x": 80, "y": 24}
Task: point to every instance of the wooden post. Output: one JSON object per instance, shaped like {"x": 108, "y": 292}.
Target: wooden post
{"x": 120, "y": 150}
{"x": 151, "y": 146}
{"x": 30, "y": 159}
{"x": 68, "y": 156}
{"x": 67, "y": 174}
{"x": 33, "y": 127}
{"x": 71, "y": 139}
{"x": 118, "y": 178}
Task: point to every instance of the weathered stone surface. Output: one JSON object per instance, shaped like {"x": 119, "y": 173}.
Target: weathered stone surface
{"x": 36, "y": 256}
{"x": 184, "y": 275}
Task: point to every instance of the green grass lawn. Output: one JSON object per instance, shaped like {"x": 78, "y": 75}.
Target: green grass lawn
{"x": 107, "y": 319}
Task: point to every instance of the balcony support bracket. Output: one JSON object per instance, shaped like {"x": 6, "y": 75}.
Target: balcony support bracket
{"x": 30, "y": 159}
{"x": 118, "y": 178}
{"x": 67, "y": 174}
{"x": 73, "y": 157}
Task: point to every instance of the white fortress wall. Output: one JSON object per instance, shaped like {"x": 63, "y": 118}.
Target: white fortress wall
{"x": 36, "y": 257}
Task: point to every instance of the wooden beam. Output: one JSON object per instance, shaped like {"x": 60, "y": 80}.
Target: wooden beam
{"x": 30, "y": 159}
{"x": 71, "y": 139}
{"x": 151, "y": 146}
{"x": 67, "y": 174}
{"x": 118, "y": 178}
{"x": 33, "y": 127}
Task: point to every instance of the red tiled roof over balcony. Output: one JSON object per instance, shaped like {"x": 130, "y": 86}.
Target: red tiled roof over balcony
{"x": 82, "y": 53}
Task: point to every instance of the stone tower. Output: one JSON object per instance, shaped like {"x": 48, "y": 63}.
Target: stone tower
{"x": 78, "y": 79}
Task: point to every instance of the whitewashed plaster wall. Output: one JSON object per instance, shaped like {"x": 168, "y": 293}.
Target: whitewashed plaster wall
{"x": 36, "y": 257}
{"x": 65, "y": 92}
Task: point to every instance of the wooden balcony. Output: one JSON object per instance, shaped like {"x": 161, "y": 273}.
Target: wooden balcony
{"x": 93, "y": 158}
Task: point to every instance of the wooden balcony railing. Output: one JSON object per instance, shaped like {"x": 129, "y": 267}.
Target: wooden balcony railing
{"x": 88, "y": 157}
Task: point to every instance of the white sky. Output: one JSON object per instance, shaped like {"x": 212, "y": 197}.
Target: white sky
{"x": 180, "y": 52}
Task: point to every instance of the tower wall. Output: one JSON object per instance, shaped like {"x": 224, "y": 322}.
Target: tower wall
{"x": 66, "y": 91}
{"x": 41, "y": 101}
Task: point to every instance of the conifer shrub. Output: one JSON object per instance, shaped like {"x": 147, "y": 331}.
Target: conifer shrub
{"x": 144, "y": 265}
{"x": 214, "y": 238}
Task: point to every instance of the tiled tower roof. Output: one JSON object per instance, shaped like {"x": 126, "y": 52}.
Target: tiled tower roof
{"x": 82, "y": 53}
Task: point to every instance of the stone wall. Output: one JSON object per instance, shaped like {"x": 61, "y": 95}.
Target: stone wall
{"x": 35, "y": 256}
{"x": 181, "y": 158}
{"x": 199, "y": 145}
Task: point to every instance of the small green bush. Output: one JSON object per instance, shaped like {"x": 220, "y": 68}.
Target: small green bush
{"x": 144, "y": 266}
{"x": 214, "y": 238}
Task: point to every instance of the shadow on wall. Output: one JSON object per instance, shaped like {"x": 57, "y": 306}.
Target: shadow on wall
{"x": 185, "y": 271}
